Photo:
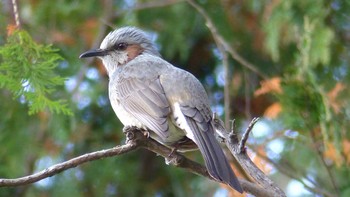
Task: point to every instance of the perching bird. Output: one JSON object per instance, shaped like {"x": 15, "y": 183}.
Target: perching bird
{"x": 148, "y": 92}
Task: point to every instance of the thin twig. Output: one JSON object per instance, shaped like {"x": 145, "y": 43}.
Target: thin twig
{"x": 247, "y": 94}
{"x": 219, "y": 39}
{"x": 226, "y": 86}
{"x": 249, "y": 167}
{"x": 16, "y": 13}
{"x": 246, "y": 135}
{"x": 233, "y": 135}
{"x": 324, "y": 163}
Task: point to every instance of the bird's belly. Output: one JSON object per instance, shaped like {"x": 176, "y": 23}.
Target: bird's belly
{"x": 125, "y": 117}
{"x": 176, "y": 132}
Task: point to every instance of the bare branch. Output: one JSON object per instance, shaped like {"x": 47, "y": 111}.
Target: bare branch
{"x": 55, "y": 169}
{"x": 246, "y": 135}
{"x": 135, "y": 139}
{"x": 324, "y": 163}
{"x": 249, "y": 167}
{"x": 16, "y": 13}
{"x": 221, "y": 41}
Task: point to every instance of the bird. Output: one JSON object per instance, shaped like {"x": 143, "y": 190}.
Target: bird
{"x": 150, "y": 93}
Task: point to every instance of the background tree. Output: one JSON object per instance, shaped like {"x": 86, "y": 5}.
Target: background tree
{"x": 286, "y": 61}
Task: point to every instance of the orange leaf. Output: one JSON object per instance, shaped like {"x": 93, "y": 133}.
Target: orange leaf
{"x": 332, "y": 97}
{"x": 273, "y": 110}
{"x": 331, "y": 153}
{"x": 11, "y": 29}
{"x": 271, "y": 85}
{"x": 346, "y": 150}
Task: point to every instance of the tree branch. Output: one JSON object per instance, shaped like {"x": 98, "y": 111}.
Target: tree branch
{"x": 135, "y": 139}
{"x": 16, "y": 13}
{"x": 239, "y": 152}
{"x": 220, "y": 41}
{"x": 55, "y": 169}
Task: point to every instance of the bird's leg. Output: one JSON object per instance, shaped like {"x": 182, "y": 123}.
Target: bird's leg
{"x": 129, "y": 133}
{"x": 184, "y": 144}
{"x": 145, "y": 133}
{"x": 173, "y": 150}
{"x": 170, "y": 159}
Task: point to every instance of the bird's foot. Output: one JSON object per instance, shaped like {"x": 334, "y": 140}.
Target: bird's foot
{"x": 169, "y": 160}
{"x": 173, "y": 150}
{"x": 221, "y": 139}
{"x": 173, "y": 159}
{"x": 129, "y": 133}
{"x": 145, "y": 133}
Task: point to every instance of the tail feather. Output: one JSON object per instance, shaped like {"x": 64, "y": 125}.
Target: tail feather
{"x": 214, "y": 157}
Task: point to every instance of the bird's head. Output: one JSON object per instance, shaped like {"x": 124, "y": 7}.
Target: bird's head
{"x": 121, "y": 46}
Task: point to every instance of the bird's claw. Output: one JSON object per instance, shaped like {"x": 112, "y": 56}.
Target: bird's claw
{"x": 128, "y": 131}
{"x": 173, "y": 150}
{"x": 146, "y": 133}
{"x": 169, "y": 161}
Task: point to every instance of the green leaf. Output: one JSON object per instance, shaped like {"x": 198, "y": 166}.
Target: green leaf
{"x": 27, "y": 70}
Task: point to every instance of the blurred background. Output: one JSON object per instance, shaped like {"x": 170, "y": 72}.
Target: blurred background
{"x": 289, "y": 65}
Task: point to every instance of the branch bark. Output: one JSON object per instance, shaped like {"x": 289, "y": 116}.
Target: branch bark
{"x": 238, "y": 150}
{"x": 220, "y": 41}
{"x": 136, "y": 139}
{"x": 55, "y": 169}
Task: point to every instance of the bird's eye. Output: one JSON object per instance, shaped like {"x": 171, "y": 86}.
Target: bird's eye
{"x": 121, "y": 46}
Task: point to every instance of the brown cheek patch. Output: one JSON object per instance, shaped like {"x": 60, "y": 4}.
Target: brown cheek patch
{"x": 133, "y": 51}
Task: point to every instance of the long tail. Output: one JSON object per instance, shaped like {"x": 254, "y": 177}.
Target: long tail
{"x": 213, "y": 155}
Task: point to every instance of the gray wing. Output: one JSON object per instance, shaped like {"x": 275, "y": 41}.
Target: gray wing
{"x": 214, "y": 157}
{"x": 146, "y": 101}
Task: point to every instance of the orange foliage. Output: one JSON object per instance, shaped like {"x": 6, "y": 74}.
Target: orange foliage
{"x": 11, "y": 29}
{"x": 273, "y": 110}
{"x": 332, "y": 97}
{"x": 346, "y": 150}
{"x": 272, "y": 85}
{"x": 332, "y": 154}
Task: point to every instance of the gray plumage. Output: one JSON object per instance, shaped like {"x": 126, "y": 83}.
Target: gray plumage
{"x": 147, "y": 92}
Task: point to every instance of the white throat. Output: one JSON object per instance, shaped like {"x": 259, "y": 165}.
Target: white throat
{"x": 112, "y": 61}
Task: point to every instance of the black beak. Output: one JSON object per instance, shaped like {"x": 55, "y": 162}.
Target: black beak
{"x": 94, "y": 53}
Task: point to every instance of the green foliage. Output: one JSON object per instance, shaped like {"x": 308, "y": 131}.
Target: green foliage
{"x": 285, "y": 27}
{"x": 301, "y": 105}
{"x": 305, "y": 44}
{"x": 179, "y": 36}
{"x": 27, "y": 70}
